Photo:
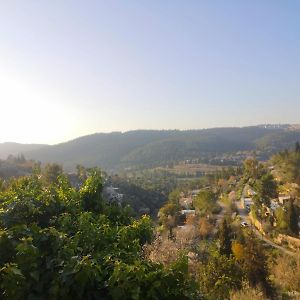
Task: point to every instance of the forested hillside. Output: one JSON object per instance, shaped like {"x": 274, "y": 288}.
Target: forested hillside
{"x": 149, "y": 148}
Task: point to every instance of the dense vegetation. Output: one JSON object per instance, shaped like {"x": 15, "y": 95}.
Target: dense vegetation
{"x": 148, "y": 148}
{"x": 288, "y": 164}
{"x": 59, "y": 243}
{"x": 227, "y": 256}
{"x": 63, "y": 241}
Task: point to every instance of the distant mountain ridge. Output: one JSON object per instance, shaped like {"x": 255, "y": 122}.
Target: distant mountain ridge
{"x": 11, "y": 148}
{"x": 154, "y": 147}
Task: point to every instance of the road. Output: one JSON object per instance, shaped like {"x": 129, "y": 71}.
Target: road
{"x": 244, "y": 218}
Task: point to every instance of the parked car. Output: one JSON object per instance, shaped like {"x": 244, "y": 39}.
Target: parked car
{"x": 244, "y": 224}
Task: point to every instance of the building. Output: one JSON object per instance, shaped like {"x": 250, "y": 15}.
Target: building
{"x": 246, "y": 202}
{"x": 113, "y": 195}
{"x": 284, "y": 198}
{"x": 274, "y": 204}
{"x": 187, "y": 212}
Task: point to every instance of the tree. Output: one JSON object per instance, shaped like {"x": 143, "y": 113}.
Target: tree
{"x": 91, "y": 192}
{"x": 266, "y": 189}
{"x": 51, "y": 173}
{"x": 252, "y": 169}
{"x": 219, "y": 276}
{"x": 237, "y": 250}
{"x": 168, "y": 216}
{"x": 81, "y": 172}
{"x": 55, "y": 243}
{"x": 254, "y": 264}
{"x": 224, "y": 235}
{"x": 292, "y": 219}
{"x": 205, "y": 202}
{"x": 205, "y": 228}
{"x": 287, "y": 164}
{"x": 297, "y": 147}
{"x": 169, "y": 213}
{"x": 281, "y": 218}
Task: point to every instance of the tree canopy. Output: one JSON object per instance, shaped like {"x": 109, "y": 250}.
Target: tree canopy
{"x": 59, "y": 243}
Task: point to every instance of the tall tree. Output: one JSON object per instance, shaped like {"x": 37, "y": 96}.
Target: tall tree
{"x": 91, "y": 192}
{"x": 252, "y": 169}
{"x": 292, "y": 218}
{"x": 297, "y": 147}
{"x": 255, "y": 265}
{"x": 266, "y": 189}
{"x": 81, "y": 172}
{"x": 225, "y": 238}
{"x": 52, "y": 172}
{"x": 205, "y": 201}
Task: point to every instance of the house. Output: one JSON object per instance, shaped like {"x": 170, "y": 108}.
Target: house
{"x": 251, "y": 192}
{"x": 188, "y": 212}
{"x": 274, "y": 204}
{"x": 186, "y": 202}
{"x": 283, "y": 198}
{"x": 113, "y": 195}
{"x": 195, "y": 193}
{"x": 246, "y": 202}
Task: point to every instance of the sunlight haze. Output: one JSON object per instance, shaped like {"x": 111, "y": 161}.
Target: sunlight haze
{"x": 71, "y": 68}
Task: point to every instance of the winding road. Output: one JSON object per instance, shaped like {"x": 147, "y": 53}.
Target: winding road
{"x": 245, "y": 218}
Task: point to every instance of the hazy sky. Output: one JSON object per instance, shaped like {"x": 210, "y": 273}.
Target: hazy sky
{"x": 69, "y": 68}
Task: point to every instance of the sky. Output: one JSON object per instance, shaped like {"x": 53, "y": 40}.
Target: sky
{"x": 70, "y": 68}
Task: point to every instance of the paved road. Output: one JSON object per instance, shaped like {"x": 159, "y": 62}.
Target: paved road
{"x": 244, "y": 217}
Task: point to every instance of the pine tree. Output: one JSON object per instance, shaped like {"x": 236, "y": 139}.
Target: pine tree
{"x": 225, "y": 238}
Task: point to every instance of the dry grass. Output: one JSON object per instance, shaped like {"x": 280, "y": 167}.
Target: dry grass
{"x": 286, "y": 273}
{"x": 248, "y": 293}
{"x": 166, "y": 251}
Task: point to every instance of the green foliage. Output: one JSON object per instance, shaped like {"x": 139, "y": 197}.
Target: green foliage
{"x": 51, "y": 172}
{"x": 266, "y": 189}
{"x": 144, "y": 192}
{"x": 91, "y": 193}
{"x": 205, "y": 202}
{"x": 281, "y": 219}
{"x": 224, "y": 235}
{"x": 252, "y": 169}
{"x": 287, "y": 218}
{"x": 148, "y": 281}
{"x": 219, "y": 276}
{"x": 254, "y": 264}
{"x": 287, "y": 164}
{"x": 292, "y": 219}
{"x": 12, "y": 282}
{"x": 169, "y": 214}
{"x": 58, "y": 243}
{"x": 153, "y": 147}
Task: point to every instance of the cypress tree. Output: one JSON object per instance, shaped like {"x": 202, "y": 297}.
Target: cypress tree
{"x": 292, "y": 219}
{"x": 225, "y": 238}
{"x": 297, "y": 147}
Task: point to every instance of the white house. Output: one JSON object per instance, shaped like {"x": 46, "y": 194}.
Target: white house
{"x": 284, "y": 198}
{"x": 274, "y": 205}
{"x": 188, "y": 212}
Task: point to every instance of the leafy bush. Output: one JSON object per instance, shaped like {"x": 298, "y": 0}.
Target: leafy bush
{"x": 58, "y": 243}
